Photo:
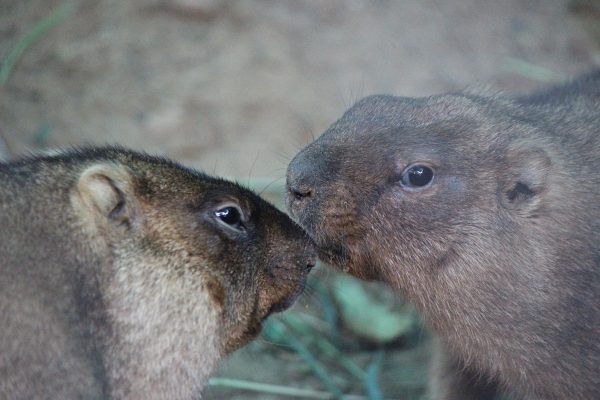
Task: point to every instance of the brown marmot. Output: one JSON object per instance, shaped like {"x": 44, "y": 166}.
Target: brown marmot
{"x": 484, "y": 211}
{"x": 129, "y": 276}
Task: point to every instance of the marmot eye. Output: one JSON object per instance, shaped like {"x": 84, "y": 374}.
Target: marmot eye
{"x": 231, "y": 216}
{"x": 417, "y": 176}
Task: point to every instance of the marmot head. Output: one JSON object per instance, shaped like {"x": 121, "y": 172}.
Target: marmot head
{"x": 179, "y": 232}
{"x": 399, "y": 187}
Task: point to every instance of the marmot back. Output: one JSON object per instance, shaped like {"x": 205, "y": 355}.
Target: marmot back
{"x": 485, "y": 212}
{"x": 129, "y": 276}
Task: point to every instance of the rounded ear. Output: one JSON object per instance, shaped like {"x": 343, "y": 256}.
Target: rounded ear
{"x": 527, "y": 171}
{"x": 105, "y": 190}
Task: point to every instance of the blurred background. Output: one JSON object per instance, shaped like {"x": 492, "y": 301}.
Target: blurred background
{"x": 236, "y": 88}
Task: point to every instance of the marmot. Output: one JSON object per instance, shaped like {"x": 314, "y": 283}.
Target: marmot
{"x": 484, "y": 211}
{"x": 129, "y": 276}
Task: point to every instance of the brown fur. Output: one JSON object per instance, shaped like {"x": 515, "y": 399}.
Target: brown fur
{"x": 501, "y": 253}
{"x": 117, "y": 279}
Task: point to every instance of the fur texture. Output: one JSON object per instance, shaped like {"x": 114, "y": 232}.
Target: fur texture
{"x": 118, "y": 278}
{"x": 500, "y": 252}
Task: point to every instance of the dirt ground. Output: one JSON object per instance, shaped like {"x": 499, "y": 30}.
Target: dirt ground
{"x": 237, "y": 87}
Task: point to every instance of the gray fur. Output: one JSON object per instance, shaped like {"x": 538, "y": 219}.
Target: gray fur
{"x": 501, "y": 253}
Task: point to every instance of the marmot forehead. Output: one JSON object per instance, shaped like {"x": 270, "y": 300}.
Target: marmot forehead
{"x": 154, "y": 175}
{"x": 395, "y": 111}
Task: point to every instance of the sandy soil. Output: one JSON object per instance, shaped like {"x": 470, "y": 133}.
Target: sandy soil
{"x": 237, "y": 87}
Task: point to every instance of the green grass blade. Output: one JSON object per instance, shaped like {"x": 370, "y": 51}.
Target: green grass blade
{"x": 531, "y": 71}
{"x": 30, "y": 37}
{"x": 326, "y": 347}
{"x": 371, "y": 384}
{"x": 278, "y": 332}
{"x": 269, "y": 389}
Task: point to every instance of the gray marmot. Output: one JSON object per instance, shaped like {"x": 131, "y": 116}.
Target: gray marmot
{"x": 485, "y": 212}
{"x": 129, "y": 276}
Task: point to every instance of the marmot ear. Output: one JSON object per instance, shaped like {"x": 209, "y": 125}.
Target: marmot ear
{"x": 105, "y": 189}
{"x": 526, "y": 180}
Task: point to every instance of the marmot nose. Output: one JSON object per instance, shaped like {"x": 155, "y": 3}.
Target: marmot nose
{"x": 300, "y": 193}
{"x": 300, "y": 183}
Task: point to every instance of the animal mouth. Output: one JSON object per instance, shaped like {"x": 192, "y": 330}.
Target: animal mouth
{"x": 350, "y": 260}
{"x": 332, "y": 252}
{"x": 287, "y": 301}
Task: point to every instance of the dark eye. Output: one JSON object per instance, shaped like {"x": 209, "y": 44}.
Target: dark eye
{"x": 231, "y": 216}
{"x": 417, "y": 176}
